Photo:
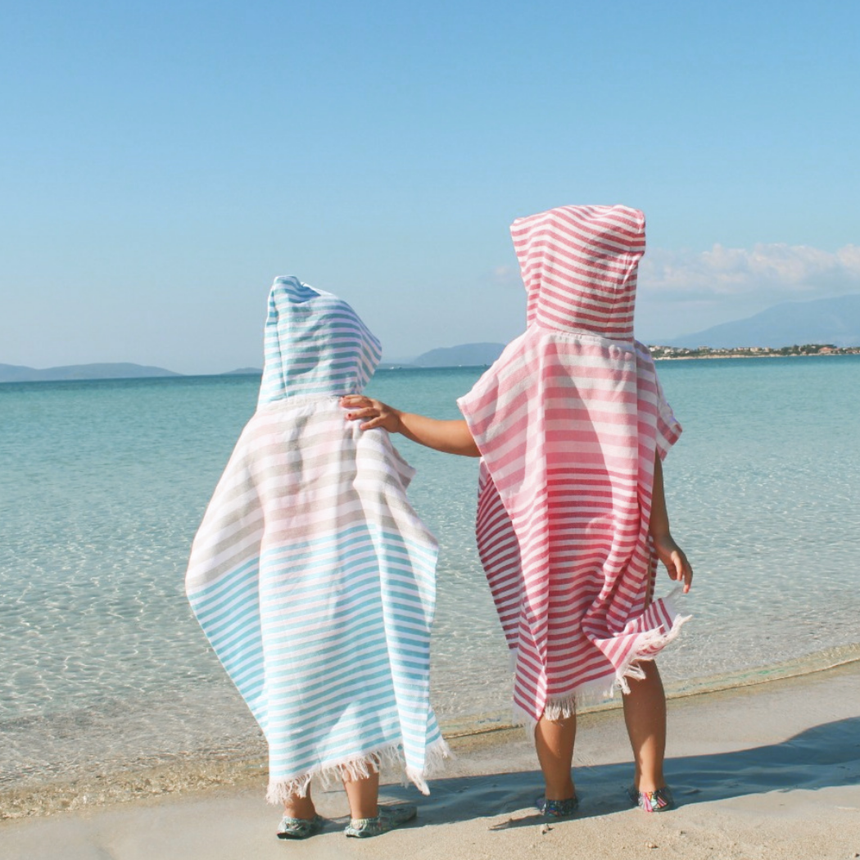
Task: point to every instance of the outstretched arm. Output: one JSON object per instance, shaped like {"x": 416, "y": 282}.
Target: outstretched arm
{"x": 452, "y": 437}
{"x": 668, "y": 551}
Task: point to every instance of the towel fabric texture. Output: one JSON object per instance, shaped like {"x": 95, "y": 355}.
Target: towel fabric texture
{"x": 311, "y": 574}
{"x": 568, "y": 421}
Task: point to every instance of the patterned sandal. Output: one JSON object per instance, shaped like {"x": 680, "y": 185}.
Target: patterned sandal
{"x": 300, "y": 828}
{"x": 387, "y": 818}
{"x": 660, "y": 800}
{"x": 557, "y": 808}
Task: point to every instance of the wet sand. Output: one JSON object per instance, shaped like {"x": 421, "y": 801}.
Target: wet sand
{"x": 767, "y": 771}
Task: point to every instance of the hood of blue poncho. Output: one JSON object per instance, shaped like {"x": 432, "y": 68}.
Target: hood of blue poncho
{"x": 315, "y": 344}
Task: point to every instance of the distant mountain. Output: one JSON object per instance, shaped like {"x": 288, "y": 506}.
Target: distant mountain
{"x": 465, "y": 355}
{"x": 18, "y": 373}
{"x": 835, "y": 321}
{"x": 244, "y": 371}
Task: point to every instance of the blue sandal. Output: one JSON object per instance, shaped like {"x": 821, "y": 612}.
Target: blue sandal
{"x": 387, "y": 818}
{"x": 300, "y": 828}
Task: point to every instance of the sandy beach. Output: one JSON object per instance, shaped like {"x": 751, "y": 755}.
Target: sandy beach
{"x": 766, "y": 771}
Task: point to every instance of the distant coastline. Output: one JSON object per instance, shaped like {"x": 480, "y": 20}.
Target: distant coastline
{"x": 93, "y": 372}
{"x": 668, "y": 353}
{"x": 79, "y": 373}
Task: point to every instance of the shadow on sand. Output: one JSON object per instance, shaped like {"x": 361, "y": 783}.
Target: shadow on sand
{"x": 823, "y": 756}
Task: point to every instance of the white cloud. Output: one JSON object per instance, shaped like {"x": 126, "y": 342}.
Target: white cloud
{"x": 684, "y": 291}
{"x": 507, "y": 276}
{"x": 766, "y": 272}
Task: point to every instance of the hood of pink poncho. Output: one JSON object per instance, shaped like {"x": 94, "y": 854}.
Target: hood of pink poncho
{"x": 579, "y": 266}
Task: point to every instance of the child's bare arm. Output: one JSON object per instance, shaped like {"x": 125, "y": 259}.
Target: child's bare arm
{"x": 452, "y": 437}
{"x": 667, "y": 550}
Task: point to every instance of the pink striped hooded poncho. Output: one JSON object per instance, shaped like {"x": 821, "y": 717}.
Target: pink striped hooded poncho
{"x": 568, "y": 421}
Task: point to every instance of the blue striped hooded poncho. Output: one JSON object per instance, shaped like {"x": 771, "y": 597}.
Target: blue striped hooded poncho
{"x": 311, "y": 574}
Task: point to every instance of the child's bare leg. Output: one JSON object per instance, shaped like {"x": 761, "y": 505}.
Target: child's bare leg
{"x": 363, "y": 795}
{"x": 645, "y": 717}
{"x": 554, "y": 741}
{"x": 300, "y": 807}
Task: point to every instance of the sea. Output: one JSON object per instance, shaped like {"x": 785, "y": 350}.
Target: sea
{"x": 103, "y": 669}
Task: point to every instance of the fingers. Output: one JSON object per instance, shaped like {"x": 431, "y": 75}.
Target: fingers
{"x": 366, "y": 412}
{"x": 679, "y": 568}
{"x": 370, "y": 412}
{"x": 683, "y": 572}
{"x": 688, "y": 576}
{"x": 361, "y": 407}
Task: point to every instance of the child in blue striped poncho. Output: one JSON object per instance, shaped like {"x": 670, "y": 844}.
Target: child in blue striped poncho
{"x": 314, "y": 579}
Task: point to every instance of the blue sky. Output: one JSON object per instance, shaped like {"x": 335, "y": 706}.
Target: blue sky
{"x": 160, "y": 163}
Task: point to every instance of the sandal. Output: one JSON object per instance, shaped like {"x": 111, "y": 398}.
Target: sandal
{"x": 300, "y": 828}
{"x": 557, "y": 808}
{"x": 660, "y": 800}
{"x": 387, "y": 818}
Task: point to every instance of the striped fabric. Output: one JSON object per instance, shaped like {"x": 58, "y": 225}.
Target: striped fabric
{"x": 568, "y": 421}
{"x": 311, "y": 575}
{"x": 300, "y": 318}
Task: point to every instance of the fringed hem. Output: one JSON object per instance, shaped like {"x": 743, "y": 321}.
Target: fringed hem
{"x": 387, "y": 759}
{"x": 563, "y": 707}
{"x": 434, "y": 763}
{"x": 653, "y": 642}
{"x": 592, "y": 693}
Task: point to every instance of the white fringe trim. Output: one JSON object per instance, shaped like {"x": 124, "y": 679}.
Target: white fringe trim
{"x": 387, "y": 759}
{"x": 653, "y": 640}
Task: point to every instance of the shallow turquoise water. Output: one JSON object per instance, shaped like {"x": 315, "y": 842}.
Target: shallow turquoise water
{"x": 104, "y": 483}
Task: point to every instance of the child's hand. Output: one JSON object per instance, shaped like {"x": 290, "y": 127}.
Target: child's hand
{"x": 376, "y": 413}
{"x": 675, "y": 560}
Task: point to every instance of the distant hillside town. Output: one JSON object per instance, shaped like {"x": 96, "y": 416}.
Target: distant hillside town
{"x": 666, "y": 352}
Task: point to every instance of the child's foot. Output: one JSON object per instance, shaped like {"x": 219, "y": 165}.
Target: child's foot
{"x": 557, "y": 808}
{"x": 300, "y": 828}
{"x": 660, "y": 800}
{"x": 387, "y": 818}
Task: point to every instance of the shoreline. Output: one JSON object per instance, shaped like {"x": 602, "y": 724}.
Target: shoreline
{"x": 243, "y": 764}
{"x": 766, "y": 771}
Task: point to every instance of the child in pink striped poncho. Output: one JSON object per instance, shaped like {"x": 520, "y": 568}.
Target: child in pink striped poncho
{"x": 572, "y": 426}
